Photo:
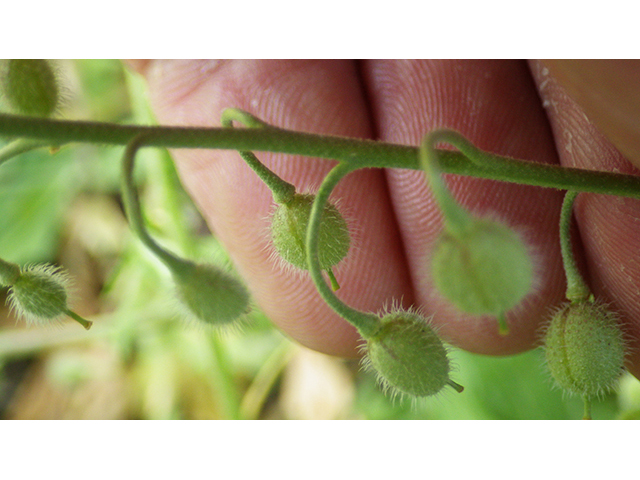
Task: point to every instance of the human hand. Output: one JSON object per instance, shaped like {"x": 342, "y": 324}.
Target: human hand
{"x": 506, "y": 107}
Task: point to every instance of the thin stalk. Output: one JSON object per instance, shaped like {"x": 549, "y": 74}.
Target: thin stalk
{"x": 256, "y": 395}
{"x": 132, "y": 204}
{"x": 85, "y": 323}
{"x": 456, "y": 219}
{"x": 19, "y": 146}
{"x": 361, "y": 153}
{"x": 366, "y": 323}
{"x": 577, "y": 289}
{"x": 283, "y": 192}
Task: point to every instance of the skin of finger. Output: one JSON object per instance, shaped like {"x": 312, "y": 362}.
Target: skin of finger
{"x": 312, "y": 96}
{"x": 495, "y": 105}
{"x": 608, "y": 91}
{"x": 609, "y": 226}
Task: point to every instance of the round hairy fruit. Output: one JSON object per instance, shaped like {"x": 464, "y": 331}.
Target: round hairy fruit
{"x": 484, "y": 270}
{"x": 31, "y": 87}
{"x": 39, "y": 293}
{"x": 210, "y": 294}
{"x": 408, "y": 356}
{"x": 289, "y": 229}
{"x": 584, "y": 348}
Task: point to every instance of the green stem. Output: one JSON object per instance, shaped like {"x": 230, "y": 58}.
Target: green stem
{"x": 366, "y": 323}
{"x": 282, "y": 191}
{"x": 577, "y": 289}
{"x": 363, "y": 153}
{"x": 456, "y": 218}
{"x": 85, "y": 323}
{"x": 18, "y": 146}
{"x": 256, "y": 395}
{"x": 132, "y": 204}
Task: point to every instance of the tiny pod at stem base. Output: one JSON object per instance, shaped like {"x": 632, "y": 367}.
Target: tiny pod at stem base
{"x": 585, "y": 348}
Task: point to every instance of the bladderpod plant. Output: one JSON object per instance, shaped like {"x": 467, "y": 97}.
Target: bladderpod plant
{"x": 400, "y": 346}
{"x": 290, "y": 219}
{"x": 210, "y": 294}
{"x": 480, "y": 265}
{"x": 584, "y": 344}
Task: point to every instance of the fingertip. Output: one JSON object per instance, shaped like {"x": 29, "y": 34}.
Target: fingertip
{"x": 609, "y": 93}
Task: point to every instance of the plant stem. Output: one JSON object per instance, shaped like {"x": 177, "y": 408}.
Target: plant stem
{"x": 18, "y": 146}
{"x": 362, "y": 153}
{"x": 366, "y": 323}
{"x": 456, "y": 218}
{"x": 282, "y": 191}
{"x": 577, "y": 289}
{"x": 85, "y": 323}
{"x": 132, "y": 204}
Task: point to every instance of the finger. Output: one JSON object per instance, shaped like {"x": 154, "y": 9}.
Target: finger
{"x": 608, "y": 91}
{"x": 496, "y": 106}
{"x": 609, "y": 226}
{"x": 322, "y": 97}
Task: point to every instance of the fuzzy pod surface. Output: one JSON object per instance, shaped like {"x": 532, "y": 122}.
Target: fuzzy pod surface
{"x": 289, "y": 228}
{"x": 408, "y": 356}
{"x": 584, "y": 348}
{"x": 485, "y": 270}
{"x": 30, "y": 87}
{"x": 210, "y": 294}
{"x": 39, "y": 293}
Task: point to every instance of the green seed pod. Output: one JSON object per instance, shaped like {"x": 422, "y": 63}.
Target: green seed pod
{"x": 210, "y": 294}
{"x": 289, "y": 227}
{"x": 485, "y": 270}
{"x": 584, "y": 348}
{"x": 39, "y": 294}
{"x": 408, "y": 356}
{"x": 31, "y": 87}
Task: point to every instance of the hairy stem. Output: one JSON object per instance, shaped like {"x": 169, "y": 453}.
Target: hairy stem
{"x": 362, "y": 153}
{"x": 366, "y": 323}
{"x": 577, "y": 289}
{"x": 282, "y": 191}
{"x": 456, "y": 218}
{"x": 132, "y": 204}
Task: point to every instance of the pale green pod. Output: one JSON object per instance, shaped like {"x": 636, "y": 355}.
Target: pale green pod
{"x": 408, "y": 356}
{"x": 209, "y": 293}
{"x": 288, "y": 232}
{"x": 584, "y": 348}
{"x": 39, "y": 294}
{"x": 30, "y": 87}
{"x": 484, "y": 270}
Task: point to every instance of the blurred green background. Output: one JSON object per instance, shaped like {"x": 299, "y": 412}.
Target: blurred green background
{"x": 141, "y": 360}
